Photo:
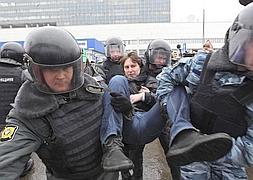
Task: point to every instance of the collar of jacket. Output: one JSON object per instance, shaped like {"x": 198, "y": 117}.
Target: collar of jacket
{"x": 32, "y": 103}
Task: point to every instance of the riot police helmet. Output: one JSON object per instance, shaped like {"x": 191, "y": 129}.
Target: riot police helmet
{"x": 240, "y": 39}
{"x": 12, "y": 50}
{"x": 114, "y": 48}
{"x": 158, "y": 52}
{"x": 53, "y": 49}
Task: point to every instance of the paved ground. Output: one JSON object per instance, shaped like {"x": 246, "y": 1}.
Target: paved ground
{"x": 155, "y": 167}
{"x": 250, "y": 173}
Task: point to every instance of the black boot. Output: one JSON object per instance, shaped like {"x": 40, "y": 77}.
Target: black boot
{"x": 136, "y": 155}
{"x": 191, "y": 146}
{"x": 114, "y": 159}
{"x": 28, "y": 167}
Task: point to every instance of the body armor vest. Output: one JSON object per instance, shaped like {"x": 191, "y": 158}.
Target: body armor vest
{"x": 111, "y": 69}
{"x": 68, "y": 126}
{"x": 74, "y": 150}
{"x": 217, "y": 108}
{"x": 10, "y": 82}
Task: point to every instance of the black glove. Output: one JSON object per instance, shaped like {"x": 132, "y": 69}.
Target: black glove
{"x": 121, "y": 103}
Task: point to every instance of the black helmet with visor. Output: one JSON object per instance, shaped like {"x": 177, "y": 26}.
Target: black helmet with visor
{"x": 52, "y": 48}
{"x": 158, "y": 52}
{"x": 240, "y": 39}
{"x": 13, "y": 50}
{"x": 114, "y": 48}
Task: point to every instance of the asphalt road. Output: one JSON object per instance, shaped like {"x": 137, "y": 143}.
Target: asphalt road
{"x": 155, "y": 167}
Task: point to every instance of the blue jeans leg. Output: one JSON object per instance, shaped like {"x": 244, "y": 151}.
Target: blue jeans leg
{"x": 112, "y": 122}
{"x": 178, "y": 109}
{"x": 144, "y": 127}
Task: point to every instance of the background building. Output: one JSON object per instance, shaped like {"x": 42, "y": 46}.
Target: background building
{"x": 137, "y": 22}
{"x": 138, "y": 36}
{"x": 94, "y": 49}
{"x": 34, "y": 13}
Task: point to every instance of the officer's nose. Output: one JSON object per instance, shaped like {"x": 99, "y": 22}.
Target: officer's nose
{"x": 60, "y": 74}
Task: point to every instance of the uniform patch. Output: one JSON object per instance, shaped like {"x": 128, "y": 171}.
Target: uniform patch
{"x": 8, "y": 132}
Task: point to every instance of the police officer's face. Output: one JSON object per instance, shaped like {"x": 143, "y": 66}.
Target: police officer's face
{"x": 174, "y": 54}
{"x": 115, "y": 54}
{"x": 58, "y": 79}
{"x": 131, "y": 69}
{"x": 160, "y": 60}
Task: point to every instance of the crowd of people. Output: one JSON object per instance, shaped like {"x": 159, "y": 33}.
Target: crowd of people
{"x": 92, "y": 121}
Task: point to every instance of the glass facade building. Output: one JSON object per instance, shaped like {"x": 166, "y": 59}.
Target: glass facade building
{"x": 32, "y": 13}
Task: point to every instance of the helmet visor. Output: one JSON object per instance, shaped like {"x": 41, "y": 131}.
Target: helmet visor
{"x": 241, "y": 49}
{"x": 160, "y": 57}
{"x": 114, "y": 51}
{"x": 57, "y": 79}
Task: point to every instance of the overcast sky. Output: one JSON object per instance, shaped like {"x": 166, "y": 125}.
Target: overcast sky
{"x": 215, "y": 10}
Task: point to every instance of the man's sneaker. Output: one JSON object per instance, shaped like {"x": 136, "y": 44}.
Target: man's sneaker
{"x": 192, "y": 146}
{"x": 114, "y": 159}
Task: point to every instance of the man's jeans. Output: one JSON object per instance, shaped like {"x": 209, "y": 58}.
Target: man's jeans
{"x": 144, "y": 127}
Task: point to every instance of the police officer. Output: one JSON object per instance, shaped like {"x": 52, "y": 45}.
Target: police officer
{"x": 114, "y": 50}
{"x": 222, "y": 100}
{"x": 11, "y": 75}
{"x": 157, "y": 55}
{"x": 55, "y": 115}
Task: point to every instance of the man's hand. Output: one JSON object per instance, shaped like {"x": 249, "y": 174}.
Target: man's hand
{"x": 121, "y": 103}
